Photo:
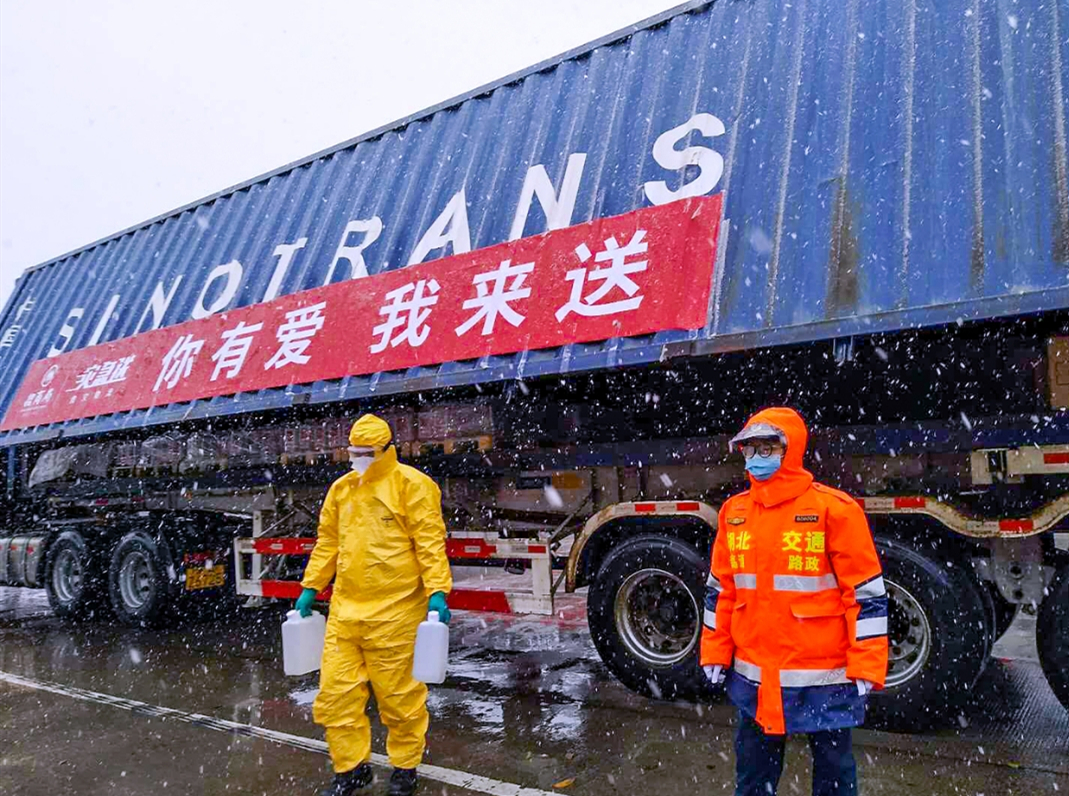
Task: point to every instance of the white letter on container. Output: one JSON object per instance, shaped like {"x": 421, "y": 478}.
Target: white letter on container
{"x": 284, "y": 252}
{"x": 158, "y": 304}
{"x": 450, "y": 227}
{"x": 232, "y": 272}
{"x": 710, "y": 163}
{"x": 558, "y": 210}
{"x": 67, "y": 332}
{"x": 102, "y": 324}
{"x": 354, "y": 254}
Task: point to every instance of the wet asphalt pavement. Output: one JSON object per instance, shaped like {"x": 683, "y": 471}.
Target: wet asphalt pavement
{"x": 527, "y": 705}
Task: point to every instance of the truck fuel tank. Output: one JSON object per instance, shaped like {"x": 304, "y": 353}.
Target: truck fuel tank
{"x": 21, "y": 561}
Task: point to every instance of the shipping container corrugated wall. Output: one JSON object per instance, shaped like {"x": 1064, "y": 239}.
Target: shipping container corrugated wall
{"x": 885, "y": 165}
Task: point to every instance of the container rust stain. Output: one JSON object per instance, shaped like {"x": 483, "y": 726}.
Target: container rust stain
{"x": 1060, "y": 249}
{"x": 844, "y": 257}
{"x": 977, "y": 256}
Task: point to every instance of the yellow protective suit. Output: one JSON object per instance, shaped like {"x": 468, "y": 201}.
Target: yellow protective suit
{"x": 382, "y": 539}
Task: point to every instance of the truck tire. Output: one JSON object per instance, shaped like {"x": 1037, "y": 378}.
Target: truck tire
{"x": 74, "y": 579}
{"x": 137, "y": 582}
{"x": 938, "y": 634}
{"x": 1052, "y": 635}
{"x": 1005, "y": 611}
{"x": 644, "y": 615}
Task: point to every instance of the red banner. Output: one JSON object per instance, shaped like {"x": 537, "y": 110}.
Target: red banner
{"x": 635, "y": 274}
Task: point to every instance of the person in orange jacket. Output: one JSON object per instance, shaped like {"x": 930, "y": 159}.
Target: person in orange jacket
{"x": 795, "y": 613}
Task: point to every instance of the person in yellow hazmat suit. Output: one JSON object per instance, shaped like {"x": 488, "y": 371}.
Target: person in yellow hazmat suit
{"x": 382, "y": 540}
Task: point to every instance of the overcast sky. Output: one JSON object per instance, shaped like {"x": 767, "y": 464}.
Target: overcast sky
{"x": 112, "y": 112}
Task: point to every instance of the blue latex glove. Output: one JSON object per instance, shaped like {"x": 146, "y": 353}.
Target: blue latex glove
{"x": 437, "y": 603}
{"x": 305, "y": 602}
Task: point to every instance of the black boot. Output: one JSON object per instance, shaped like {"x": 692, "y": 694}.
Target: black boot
{"x": 349, "y": 782}
{"x": 403, "y": 782}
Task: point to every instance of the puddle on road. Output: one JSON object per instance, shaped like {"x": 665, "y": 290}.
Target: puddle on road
{"x": 304, "y": 697}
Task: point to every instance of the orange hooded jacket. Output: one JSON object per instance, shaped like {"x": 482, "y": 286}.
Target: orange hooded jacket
{"x": 795, "y": 600}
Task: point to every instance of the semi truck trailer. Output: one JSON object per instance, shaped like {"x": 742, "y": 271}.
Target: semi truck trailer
{"x": 566, "y": 290}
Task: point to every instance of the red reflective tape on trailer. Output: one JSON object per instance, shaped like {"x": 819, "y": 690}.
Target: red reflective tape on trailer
{"x": 1016, "y": 526}
{"x": 688, "y": 506}
{"x": 283, "y": 547}
{"x": 288, "y": 590}
{"x": 469, "y": 548}
{"x": 1056, "y": 458}
{"x": 910, "y": 503}
{"x": 645, "y": 508}
{"x": 282, "y": 589}
{"x": 536, "y": 548}
{"x": 473, "y": 600}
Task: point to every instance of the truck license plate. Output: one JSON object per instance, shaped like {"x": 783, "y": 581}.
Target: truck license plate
{"x": 205, "y": 578}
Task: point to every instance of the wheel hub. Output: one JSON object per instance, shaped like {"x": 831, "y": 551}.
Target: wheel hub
{"x": 135, "y": 580}
{"x": 909, "y": 635}
{"x": 67, "y": 576}
{"x": 657, "y": 617}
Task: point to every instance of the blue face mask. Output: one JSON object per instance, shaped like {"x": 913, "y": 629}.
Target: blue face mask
{"x": 763, "y": 468}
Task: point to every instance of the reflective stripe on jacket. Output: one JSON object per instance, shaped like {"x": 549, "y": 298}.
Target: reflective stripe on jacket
{"x": 795, "y": 600}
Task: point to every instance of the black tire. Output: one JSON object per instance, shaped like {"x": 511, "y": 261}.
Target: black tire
{"x": 1052, "y": 635}
{"x": 660, "y": 572}
{"x": 1004, "y": 611}
{"x": 74, "y": 579}
{"x": 137, "y": 582}
{"x": 939, "y": 633}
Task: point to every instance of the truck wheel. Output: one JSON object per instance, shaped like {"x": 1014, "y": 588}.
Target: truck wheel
{"x": 938, "y": 635}
{"x": 137, "y": 583}
{"x": 643, "y": 611}
{"x": 73, "y": 579}
{"x": 1052, "y": 635}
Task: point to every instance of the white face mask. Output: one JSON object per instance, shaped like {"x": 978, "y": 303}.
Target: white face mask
{"x": 361, "y": 461}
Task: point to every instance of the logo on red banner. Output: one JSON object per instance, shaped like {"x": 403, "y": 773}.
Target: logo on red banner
{"x": 635, "y": 274}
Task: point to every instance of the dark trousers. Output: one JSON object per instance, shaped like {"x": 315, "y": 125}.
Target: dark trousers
{"x": 759, "y": 761}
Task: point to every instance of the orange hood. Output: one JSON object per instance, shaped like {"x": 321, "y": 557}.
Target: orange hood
{"x": 792, "y": 479}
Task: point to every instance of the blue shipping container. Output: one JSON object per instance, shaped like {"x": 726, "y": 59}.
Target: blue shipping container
{"x": 885, "y": 165}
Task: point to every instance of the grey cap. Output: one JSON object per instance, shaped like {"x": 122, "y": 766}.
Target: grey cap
{"x": 759, "y": 431}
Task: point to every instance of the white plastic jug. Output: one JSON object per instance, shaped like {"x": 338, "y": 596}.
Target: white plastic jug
{"x": 432, "y": 650}
{"x": 302, "y": 642}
